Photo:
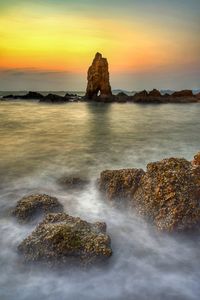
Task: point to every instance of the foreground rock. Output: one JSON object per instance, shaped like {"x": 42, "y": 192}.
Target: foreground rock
{"x": 61, "y": 239}
{"x": 167, "y": 194}
{"x": 30, "y": 207}
{"x": 98, "y": 79}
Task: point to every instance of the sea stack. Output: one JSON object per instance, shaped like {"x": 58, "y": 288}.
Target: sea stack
{"x": 98, "y": 79}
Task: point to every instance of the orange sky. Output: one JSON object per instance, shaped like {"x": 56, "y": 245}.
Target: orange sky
{"x": 41, "y": 39}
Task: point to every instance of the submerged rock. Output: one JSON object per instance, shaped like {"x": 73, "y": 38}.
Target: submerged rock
{"x": 62, "y": 239}
{"x": 29, "y": 207}
{"x": 98, "y": 79}
{"x": 119, "y": 185}
{"x": 167, "y": 194}
{"x": 74, "y": 183}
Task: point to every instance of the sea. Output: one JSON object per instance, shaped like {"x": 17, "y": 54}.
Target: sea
{"x": 40, "y": 143}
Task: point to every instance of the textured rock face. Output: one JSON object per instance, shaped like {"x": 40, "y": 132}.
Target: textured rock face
{"x": 120, "y": 185}
{"x": 61, "y": 239}
{"x": 167, "y": 194}
{"x": 98, "y": 78}
{"x": 31, "y": 206}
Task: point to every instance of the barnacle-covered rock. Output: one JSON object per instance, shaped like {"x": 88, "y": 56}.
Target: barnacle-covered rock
{"x": 62, "y": 239}
{"x": 29, "y": 207}
{"x": 119, "y": 185}
{"x": 169, "y": 195}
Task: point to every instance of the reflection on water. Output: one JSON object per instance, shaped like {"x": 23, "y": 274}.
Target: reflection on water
{"x": 39, "y": 143}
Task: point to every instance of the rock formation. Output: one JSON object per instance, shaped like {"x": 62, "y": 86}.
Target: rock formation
{"x": 29, "y": 207}
{"x": 74, "y": 182}
{"x": 62, "y": 240}
{"x": 155, "y": 93}
{"x": 183, "y": 93}
{"x": 167, "y": 194}
{"x": 98, "y": 79}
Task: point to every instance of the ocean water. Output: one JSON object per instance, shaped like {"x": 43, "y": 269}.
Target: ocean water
{"x": 39, "y": 143}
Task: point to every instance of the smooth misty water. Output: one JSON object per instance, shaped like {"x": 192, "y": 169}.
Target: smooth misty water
{"x": 40, "y": 143}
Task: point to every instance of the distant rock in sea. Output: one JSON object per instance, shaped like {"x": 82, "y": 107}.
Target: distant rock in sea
{"x": 98, "y": 79}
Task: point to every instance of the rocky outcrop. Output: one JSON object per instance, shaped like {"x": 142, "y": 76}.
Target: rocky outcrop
{"x": 183, "y": 93}
{"x": 155, "y": 93}
{"x": 53, "y": 98}
{"x": 167, "y": 194}
{"x": 28, "y": 96}
{"x": 29, "y": 207}
{"x": 98, "y": 79}
{"x": 74, "y": 182}
{"x": 119, "y": 185}
{"x": 64, "y": 240}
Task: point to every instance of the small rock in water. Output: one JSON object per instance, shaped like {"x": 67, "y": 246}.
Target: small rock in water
{"x": 65, "y": 240}
{"x": 29, "y": 207}
{"x": 75, "y": 183}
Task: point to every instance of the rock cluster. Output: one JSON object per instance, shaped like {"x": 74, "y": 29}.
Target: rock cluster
{"x": 29, "y": 207}
{"x": 167, "y": 194}
{"x": 98, "y": 79}
{"x": 61, "y": 239}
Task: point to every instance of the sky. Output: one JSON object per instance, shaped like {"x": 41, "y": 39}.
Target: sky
{"x": 49, "y": 45}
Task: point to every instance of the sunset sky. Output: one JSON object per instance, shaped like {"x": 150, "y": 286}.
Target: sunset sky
{"x": 49, "y": 44}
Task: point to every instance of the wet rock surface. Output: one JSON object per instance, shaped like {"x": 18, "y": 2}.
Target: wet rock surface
{"x": 30, "y": 207}
{"x": 62, "y": 239}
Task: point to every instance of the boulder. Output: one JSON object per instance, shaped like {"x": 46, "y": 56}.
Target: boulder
{"x": 65, "y": 240}
{"x": 98, "y": 79}
{"x": 141, "y": 94}
{"x": 30, "y": 207}
{"x": 119, "y": 185}
{"x": 169, "y": 195}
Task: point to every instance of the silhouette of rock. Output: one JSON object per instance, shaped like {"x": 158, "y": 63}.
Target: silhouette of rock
{"x": 30, "y": 95}
{"x": 184, "y": 93}
{"x": 53, "y": 98}
{"x": 155, "y": 93}
{"x": 98, "y": 79}
{"x": 62, "y": 240}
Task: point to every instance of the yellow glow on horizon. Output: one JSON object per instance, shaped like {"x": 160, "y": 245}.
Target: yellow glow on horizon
{"x": 68, "y": 43}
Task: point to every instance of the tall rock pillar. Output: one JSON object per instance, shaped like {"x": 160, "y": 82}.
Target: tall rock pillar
{"x": 98, "y": 79}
